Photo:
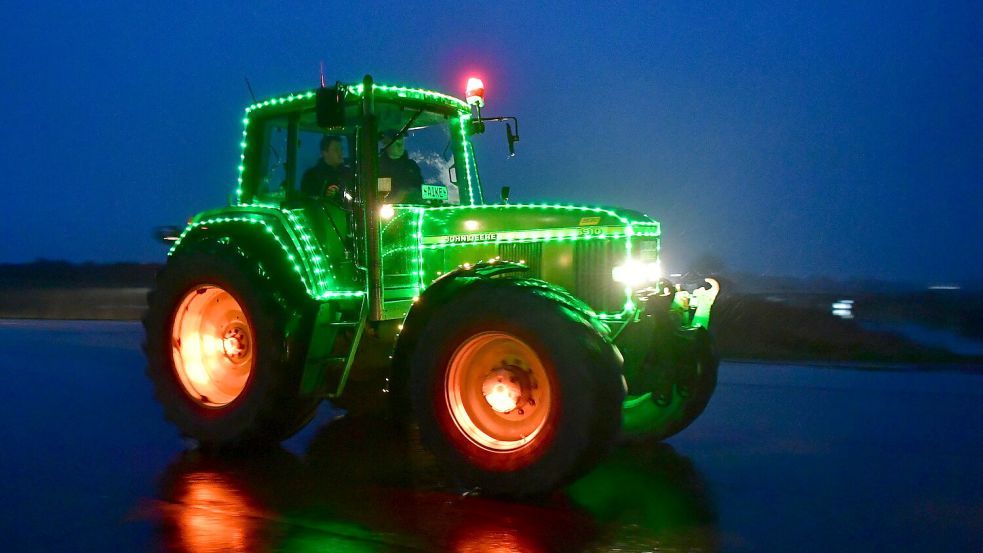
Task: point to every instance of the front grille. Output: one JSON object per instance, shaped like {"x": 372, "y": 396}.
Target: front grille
{"x": 593, "y": 261}
{"x": 530, "y": 253}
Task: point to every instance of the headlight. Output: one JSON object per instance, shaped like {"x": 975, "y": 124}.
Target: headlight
{"x": 637, "y": 274}
{"x": 386, "y": 212}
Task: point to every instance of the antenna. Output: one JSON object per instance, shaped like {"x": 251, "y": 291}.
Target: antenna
{"x": 250, "y": 87}
{"x": 322, "y": 74}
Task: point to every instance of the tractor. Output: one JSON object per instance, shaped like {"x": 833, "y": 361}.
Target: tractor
{"x": 523, "y": 339}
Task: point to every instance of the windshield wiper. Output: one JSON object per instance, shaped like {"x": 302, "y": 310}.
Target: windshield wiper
{"x": 402, "y": 131}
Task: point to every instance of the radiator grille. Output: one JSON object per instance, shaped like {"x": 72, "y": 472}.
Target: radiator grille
{"x": 531, "y": 253}
{"x": 593, "y": 261}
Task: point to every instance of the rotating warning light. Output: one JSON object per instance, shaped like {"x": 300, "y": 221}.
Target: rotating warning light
{"x": 476, "y": 92}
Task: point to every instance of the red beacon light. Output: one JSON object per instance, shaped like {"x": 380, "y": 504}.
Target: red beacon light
{"x": 476, "y": 92}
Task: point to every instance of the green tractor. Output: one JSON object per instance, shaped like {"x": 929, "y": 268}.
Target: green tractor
{"x": 523, "y": 338}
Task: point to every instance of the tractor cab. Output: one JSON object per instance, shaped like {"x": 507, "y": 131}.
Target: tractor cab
{"x": 421, "y": 129}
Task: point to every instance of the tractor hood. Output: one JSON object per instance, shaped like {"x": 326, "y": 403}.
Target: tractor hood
{"x": 530, "y": 223}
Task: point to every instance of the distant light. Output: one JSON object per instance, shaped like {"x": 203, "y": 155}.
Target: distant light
{"x": 843, "y": 309}
{"x": 476, "y": 92}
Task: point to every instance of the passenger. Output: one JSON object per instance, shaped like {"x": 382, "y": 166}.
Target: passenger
{"x": 329, "y": 177}
{"x": 404, "y": 172}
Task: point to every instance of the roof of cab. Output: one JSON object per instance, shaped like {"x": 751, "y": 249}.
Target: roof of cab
{"x": 306, "y": 97}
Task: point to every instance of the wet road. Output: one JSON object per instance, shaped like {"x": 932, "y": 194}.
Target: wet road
{"x": 785, "y": 458}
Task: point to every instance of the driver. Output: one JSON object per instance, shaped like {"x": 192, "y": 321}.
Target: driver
{"x": 404, "y": 172}
{"x": 329, "y": 177}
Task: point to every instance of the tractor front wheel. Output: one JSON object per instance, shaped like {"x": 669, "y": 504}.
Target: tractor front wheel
{"x": 515, "y": 393}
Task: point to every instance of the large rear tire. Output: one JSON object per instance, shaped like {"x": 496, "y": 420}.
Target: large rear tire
{"x": 515, "y": 393}
{"x": 225, "y": 349}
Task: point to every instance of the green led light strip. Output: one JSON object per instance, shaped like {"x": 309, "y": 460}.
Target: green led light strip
{"x": 253, "y": 221}
{"x": 419, "y": 229}
{"x": 357, "y": 90}
{"x": 313, "y": 282}
{"x": 401, "y": 210}
{"x": 412, "y": 93}
{"x": 555, "y": 238}
{"x": 296, "y": 226}
{"x": 242, "y": 157}
{"x": 594, "y": 232}
{"x": 462, "y": 125}
{"x": 279, "y": 101}
{"x": 629, "y": 232}
{"x": 313, "y": 255}
{"x": 535, "y": 206}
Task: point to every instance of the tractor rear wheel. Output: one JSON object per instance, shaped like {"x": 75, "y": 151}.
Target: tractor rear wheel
{"x": 515, "y": 393}
{"x": 225, "y": 350}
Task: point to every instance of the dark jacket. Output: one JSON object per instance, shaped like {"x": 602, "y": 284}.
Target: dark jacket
{"x": 406, "y": 178}
{"x": 318, "y": 178}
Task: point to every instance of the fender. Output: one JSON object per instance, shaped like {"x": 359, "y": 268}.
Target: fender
{"x": 253, "y": 238}
{"x": 456, "y": 281}
{"x": 285, "y": 235}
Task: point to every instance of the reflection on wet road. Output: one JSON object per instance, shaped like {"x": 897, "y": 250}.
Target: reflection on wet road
{"x": 382, "y": 495}
{"x": 785, "y": 458}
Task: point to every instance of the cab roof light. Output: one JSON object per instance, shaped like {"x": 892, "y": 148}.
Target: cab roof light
{"x": 475, "y": 92}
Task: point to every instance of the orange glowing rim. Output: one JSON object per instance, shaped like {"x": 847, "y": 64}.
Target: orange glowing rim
{"x": 212, "y": 345}
{"x": 497, "y": 392}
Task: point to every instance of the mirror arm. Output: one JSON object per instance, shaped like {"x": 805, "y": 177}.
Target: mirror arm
{"x": 509, "y": 135}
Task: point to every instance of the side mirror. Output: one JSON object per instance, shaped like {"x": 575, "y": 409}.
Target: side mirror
{"x": 505, "y": 194}
{"x": 512, "y": 138}
{"x": 330, "y": 107}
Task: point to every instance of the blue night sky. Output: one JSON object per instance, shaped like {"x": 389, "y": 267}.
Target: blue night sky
{"x": 841, "y": 139}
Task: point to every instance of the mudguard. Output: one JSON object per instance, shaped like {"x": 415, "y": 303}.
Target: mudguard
{"x": 454, "y": 282}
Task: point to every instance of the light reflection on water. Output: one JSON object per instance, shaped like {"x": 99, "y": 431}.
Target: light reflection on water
{"x": 389, "y": 496}
{"x": 854, "y": 460}
{"x": 215, "y": 516}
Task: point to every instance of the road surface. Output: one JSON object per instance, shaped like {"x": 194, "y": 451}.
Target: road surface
{"x": 785, "y": 458}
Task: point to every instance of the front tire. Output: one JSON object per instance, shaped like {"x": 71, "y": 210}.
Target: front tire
{"x": 225, "y": 349}
{"x": 515, "y": 393}
{"x": 650, "y": 417}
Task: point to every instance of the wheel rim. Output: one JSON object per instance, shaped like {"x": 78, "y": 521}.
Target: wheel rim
{"x": 498, "y": 392}
{"x": 213, "y": 346}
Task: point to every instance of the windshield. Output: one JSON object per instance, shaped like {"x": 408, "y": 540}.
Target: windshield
{"x": 416, "y": 152}
{"x": 424, "y": 156}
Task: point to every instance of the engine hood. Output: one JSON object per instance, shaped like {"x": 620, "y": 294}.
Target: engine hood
{"x": 530, "y": 223}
